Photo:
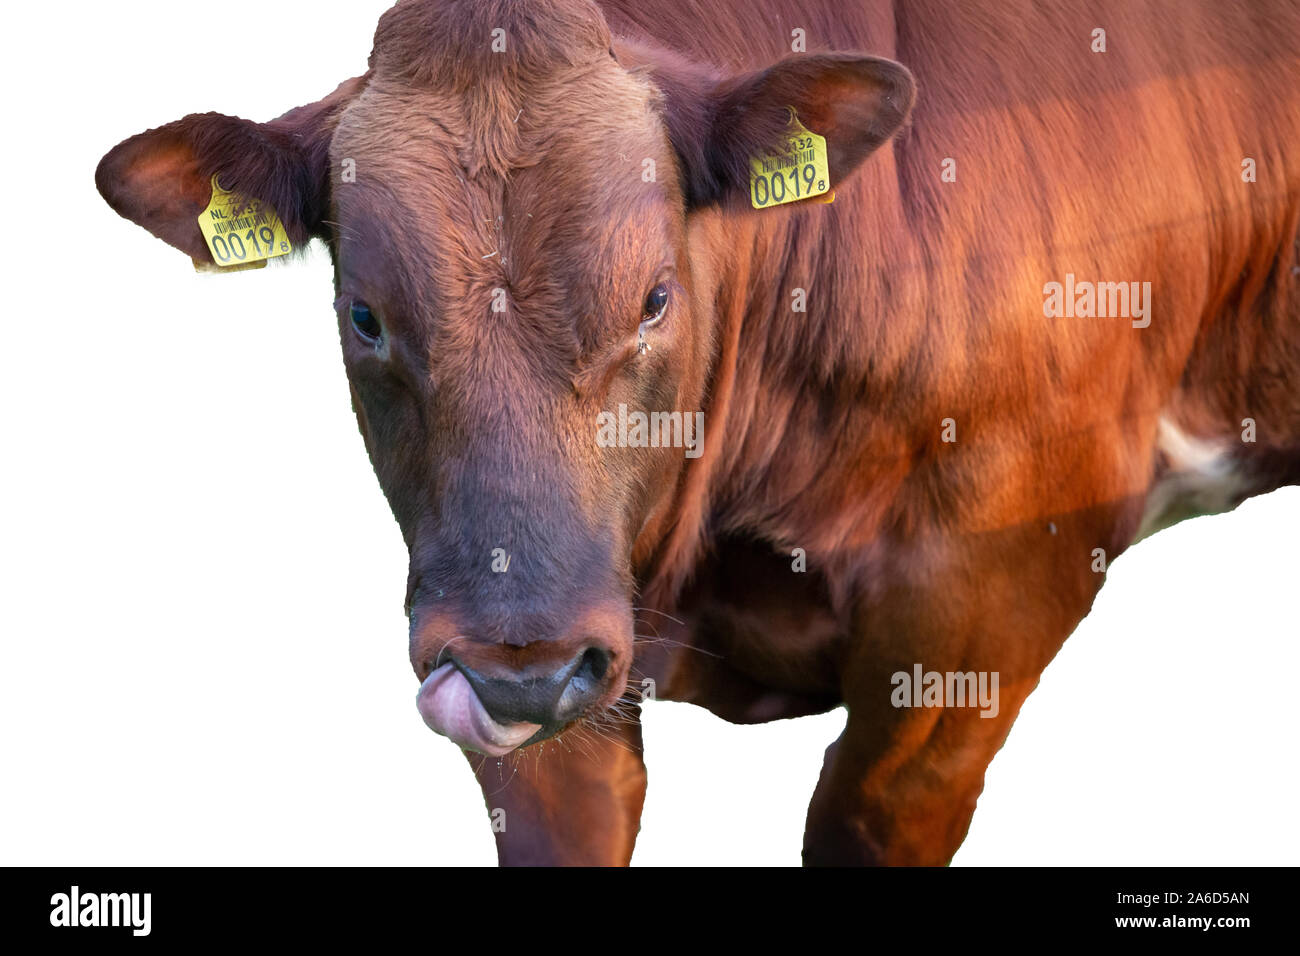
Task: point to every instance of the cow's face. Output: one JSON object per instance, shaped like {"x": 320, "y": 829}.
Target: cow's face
{"x": 508, "y": 198}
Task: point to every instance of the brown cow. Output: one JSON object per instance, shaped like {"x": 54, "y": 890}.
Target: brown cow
{"x": 1058, "y": 311}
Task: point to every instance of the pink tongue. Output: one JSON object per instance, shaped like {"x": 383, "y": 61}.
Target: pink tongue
{"x": 449, "y": 705}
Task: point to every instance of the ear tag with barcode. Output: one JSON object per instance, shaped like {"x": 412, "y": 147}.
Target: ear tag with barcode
{"x": 241, "y": 233}
{"x": 798, "y": 172}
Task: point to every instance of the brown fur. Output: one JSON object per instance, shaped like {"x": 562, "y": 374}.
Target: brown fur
{"x": 521, "y": 171}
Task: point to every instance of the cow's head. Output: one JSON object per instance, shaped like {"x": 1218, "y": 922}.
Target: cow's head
{"x": 507, "y": 195}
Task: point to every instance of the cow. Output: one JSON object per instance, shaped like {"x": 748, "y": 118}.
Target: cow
{"x": 1031, "y": 293}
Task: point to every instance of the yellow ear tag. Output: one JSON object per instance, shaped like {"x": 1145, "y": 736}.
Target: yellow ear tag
{"x": 799, "y": 172}
{"x": 241, "y": 233}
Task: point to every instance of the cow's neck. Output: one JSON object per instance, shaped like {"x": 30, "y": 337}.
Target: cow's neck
{"x": 793, "y": 396}
{"x": 798, "y": 400}
{"x": 815, "y": 389}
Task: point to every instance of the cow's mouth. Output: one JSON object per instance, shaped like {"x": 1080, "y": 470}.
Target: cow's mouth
{"x": 450, "y": 707}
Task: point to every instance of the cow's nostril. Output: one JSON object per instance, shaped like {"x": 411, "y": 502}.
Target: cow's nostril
{"x": 594, "y": 664}
{"x": 585, "y": 685}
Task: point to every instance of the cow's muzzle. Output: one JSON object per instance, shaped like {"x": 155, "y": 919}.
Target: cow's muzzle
{"x": 494, "y": 713}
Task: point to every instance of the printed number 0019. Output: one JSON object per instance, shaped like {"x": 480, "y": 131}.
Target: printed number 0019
{"x": 227, "y": 250}
{"x": 773, "y": 189}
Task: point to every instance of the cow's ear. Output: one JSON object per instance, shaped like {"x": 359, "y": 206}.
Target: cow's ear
{"x": 162, "y": 179}
{"x": 855, "y": 101}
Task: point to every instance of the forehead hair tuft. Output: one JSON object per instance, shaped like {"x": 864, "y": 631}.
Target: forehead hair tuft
{"x": 459, "y": 45}
{"x": 490, "y": 57}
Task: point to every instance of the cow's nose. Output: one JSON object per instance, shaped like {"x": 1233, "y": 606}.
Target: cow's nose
{"x": 549, "y": 699}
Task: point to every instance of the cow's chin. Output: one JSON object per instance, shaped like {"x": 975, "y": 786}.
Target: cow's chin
{"x": 450, "y": 707}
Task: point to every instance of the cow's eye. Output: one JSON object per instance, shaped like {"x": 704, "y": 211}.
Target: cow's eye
{"x": 656, "y": 303}
{"x": 365, "y": 322}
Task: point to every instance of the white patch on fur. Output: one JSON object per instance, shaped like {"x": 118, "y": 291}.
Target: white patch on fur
{"x": 1200, "y": 480}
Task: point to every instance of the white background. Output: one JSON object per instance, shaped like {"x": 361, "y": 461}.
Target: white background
{"x": 203, "y": 655}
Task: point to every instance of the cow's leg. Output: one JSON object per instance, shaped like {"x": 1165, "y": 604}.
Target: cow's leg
{"x": 900, "y": 785}
{"x": 903, "y": 793}
{"x": 572, "y": 801}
